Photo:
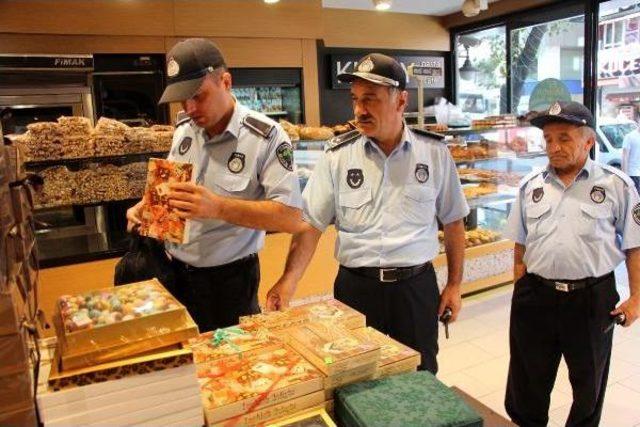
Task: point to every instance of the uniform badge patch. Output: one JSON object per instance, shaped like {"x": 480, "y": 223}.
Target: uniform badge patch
{"x": 366, "y": 66}
{"x": 598, "y": 195}
{"x": 173, "y": 69}
{"x": 636, "y": 213}
{"x": 236, "y": 162}
{"x": 284, "y": 152}
{"x": 422, "y": 173}
{"x": 537, "y": 195}
{"x": 185, "y": 145}
{"x": 355, "y": 178}
{"x": 555, "y": 109}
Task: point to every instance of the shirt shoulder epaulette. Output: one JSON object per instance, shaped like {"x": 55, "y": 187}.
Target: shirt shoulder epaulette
{"x": 182, "y": 118}
{"x": 432, "y": 135}
{"x": 529, "y": 177}
{"x": 258, "y": 125}
{"x": 617, "y": 172}
{"x": 342, "y": 139}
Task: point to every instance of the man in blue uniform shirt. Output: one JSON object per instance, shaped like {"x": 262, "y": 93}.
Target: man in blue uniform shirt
{"x": 245, "y": 184}
{"x": 385, "y": 186}
{"x": 565, "y": 224}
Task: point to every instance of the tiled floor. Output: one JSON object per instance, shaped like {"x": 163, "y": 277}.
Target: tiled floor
{"x": 476, "y": 359}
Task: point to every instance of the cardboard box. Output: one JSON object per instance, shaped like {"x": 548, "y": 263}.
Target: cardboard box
{"x": 129, "y": 369}
{"x": 59, "y": 404}
{"x": 235, "y": 386}
{"x": 13, "y": 353}
{"x": 232, "y": 341}
{"x": 115, "y": 323}
{"x": 395, "y": 357}
{"x": 133, "y": 410}
{"x": 12, "y": 310}
{"x": 192, "y": 416}
{"x": 23, "y": 417}
{"x": 272, "y": 412}
{"x": 361, "y": 373}
{"x": 311, "y": 418}
{"x": 332, "y": 310}
{"x": 16, "y": 391}
{"x": 331, "y": 348}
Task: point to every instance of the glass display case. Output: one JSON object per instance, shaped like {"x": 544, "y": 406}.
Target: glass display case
{"x": 491, "y": 162}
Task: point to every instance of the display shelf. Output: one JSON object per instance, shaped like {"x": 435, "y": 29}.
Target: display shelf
{"x": 478, "y": 131}
{"x": 490, "y": 199}
{"x": 93, "y": 159}
{"x": 275, "y": 113}
{"x": 86, "y": 205}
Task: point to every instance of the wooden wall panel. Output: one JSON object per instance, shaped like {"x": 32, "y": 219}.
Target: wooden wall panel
{"x": 255, "y": 52}
{"x": 72, "y": 44}
{"x": 249, "y": 18}
{"x": 108, "y": 17}
{"x": 310, "y": 82}
{"x": 356, "y": 28}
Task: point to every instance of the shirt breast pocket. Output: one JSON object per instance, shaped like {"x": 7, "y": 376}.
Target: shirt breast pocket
{"x": 593, "y": 221}
{"x": 418, "y": 204}
{"x": 536, "y": 216}
{"x": 355, "y": 209}
{"x": 231, "y": 185}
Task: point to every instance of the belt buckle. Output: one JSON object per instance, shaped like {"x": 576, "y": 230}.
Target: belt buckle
{"x": 384, "y": 270}
{"x": 562, "y": 287}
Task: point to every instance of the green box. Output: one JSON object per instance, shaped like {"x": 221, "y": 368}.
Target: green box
{"x": 415, "y": 399}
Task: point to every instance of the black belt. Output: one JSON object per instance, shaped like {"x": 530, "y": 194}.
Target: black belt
{"x": 390, "y": 274}
{"x": 571, "y": 285}
{"x": 190, "y": 267}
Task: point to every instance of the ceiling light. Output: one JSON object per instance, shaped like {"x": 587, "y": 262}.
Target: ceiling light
{"x": 271, "y": 1}
{"x": 469, "y": 8}
{"x": 382, "y": 4}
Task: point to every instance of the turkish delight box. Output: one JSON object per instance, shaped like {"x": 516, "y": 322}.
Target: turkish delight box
{"x": 273, "y": 320}
{"x": 119, "y": 322}
{"x": 311, "y": 418}
{"x": 232, "y": 387}
{"x": 334, "y": 311}
{"x": 395, "y": 357}
{"x": 330, "y": 347}
{"x": 232, "y": 341}
{"x": 159, "y": 219}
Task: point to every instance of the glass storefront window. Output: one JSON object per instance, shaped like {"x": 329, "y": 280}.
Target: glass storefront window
{"x": 547, "y": 62}
{"x": 481, "y": 72}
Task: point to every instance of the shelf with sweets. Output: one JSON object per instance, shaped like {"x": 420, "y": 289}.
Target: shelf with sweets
{"x": 32, "y": 164}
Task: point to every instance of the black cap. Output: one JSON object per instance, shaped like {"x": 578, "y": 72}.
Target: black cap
{"x": 379, "y": 69}
{"x": 188, "y": 62}
{"x": 565, "y": 112}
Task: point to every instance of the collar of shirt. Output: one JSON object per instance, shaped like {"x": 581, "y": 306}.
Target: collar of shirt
{"x": 405, "y": 142}
{"x": 231, "y": 131}
{"x": 585, "y": 173}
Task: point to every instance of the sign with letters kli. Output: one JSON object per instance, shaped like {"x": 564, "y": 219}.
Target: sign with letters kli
{"x": 345, "y": 63}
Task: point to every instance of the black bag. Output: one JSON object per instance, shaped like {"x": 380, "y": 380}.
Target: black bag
{"x": 145, "y": 260}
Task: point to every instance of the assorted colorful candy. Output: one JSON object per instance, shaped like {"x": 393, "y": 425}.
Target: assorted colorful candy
{"x": 119, "y": 304}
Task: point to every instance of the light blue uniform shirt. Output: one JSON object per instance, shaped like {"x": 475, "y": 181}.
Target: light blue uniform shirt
{"x": 240, "y": 164}
{"x": 570, "y": 232}
{"x": 385, "y": 208}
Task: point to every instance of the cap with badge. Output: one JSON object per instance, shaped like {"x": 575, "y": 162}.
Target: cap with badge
{"x": 188, "y": 63}
{"x": 379, "y": 69}
{"x": 565, "y": 112}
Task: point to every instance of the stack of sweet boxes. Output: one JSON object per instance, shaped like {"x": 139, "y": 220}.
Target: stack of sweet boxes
{"x": 276, "y": 365}
{"x": 120, "y": 360}
{"x": 17, "y": 291}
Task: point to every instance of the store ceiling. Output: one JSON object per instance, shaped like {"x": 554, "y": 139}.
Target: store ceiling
{"x": 420, "y": 7}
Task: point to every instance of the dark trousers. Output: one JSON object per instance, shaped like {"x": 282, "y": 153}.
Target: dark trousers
{"x": 547, "y": 324}
{"x": 406, "y": 310}
{"x": 217, "y": 296}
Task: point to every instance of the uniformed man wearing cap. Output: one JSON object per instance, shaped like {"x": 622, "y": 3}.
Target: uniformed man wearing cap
{"x": 385, "y": 186}
{"x": 245, "y": 184}
{"x": 565, "y": 224}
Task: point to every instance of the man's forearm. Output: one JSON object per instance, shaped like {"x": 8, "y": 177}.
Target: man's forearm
{"x": 519, "y": 268}
{"x": 303, "y": 246}
{"x": 261, "y": 215}
{"x": 633, "y": 269}
{"x": 454, "y": 248}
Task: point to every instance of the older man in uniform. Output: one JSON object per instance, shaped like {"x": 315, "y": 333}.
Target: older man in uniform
{"x": 245, "y": 184}
{"x": 565, "y": 224}
{"x": 385, "y": 186}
